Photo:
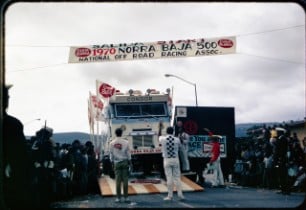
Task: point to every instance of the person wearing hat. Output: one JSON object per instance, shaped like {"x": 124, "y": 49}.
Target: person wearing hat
{"x": 15, "y": 159}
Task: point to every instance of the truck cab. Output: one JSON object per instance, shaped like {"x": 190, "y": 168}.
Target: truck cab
{"x": 143, "y": 118}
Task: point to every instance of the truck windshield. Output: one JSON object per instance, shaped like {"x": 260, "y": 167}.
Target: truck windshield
{"x": 140, "y": 110}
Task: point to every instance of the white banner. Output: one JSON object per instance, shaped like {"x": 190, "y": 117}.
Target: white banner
{"x": 200, "y": 146}
{"x": 153, "y": 50}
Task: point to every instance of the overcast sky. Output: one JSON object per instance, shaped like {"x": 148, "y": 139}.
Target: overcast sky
{"x": 264, "y": 80}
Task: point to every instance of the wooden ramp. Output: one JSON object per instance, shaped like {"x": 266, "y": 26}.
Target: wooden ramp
{"x": 108, "y": 188}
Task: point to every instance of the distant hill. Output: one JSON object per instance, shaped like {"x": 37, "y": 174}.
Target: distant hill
{"x": 241, "y": 129}
{"x": 69, "y": 137}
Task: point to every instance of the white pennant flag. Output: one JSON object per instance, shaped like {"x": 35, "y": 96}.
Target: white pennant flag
{"x": 90, "y": 116}
{"x": 96, "y": 107}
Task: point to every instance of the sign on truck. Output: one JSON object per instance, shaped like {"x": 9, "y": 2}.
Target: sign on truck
{"x": 196, "y": 121}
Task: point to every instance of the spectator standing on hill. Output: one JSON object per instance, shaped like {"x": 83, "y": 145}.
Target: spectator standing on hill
{"x": 266, "y": 133}
{"x": 273, "y": 135}
{"x": 295, "y": 138}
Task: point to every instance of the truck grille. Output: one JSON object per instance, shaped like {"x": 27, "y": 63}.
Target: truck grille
{"x": 143, "y": 141}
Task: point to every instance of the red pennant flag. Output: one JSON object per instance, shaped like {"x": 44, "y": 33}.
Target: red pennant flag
{"x": 104, "y": 90}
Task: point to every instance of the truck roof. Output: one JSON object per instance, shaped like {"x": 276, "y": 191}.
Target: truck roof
{"x": 138, "y": 97}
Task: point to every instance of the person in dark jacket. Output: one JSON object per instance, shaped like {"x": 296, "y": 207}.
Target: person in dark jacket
{"x": 80, "y": 168}
{"x": 281, "y": 160}
{"x": 43, "y": 150}
{"x": 15, "y": 158}
{"x": 93, "y": 171}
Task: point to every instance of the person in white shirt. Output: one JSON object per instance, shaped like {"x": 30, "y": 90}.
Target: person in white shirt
{"x": 183, "y": 150}
{"x": 170, "y": 146}
{"x": 120, "y": 157}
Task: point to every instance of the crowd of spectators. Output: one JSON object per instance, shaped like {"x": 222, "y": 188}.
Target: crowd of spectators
{"x": 60, "y": 171}
{"x": 256, "y": 164}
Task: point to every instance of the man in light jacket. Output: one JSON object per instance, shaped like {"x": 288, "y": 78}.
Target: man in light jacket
{"x": 120, "y": 156}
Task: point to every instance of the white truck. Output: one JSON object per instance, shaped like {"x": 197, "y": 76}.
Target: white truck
{"x": 143, "y": 118}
